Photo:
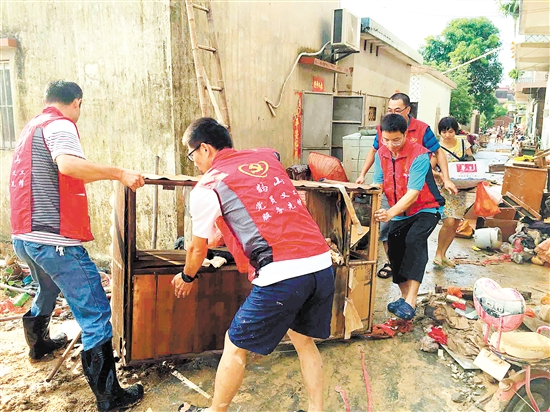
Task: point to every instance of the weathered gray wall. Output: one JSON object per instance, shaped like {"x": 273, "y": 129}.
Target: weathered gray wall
{"x": 378, "y": 77}
{"x": 134, "y": 63}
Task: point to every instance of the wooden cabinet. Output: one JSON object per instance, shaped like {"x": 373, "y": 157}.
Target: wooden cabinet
{"x": 150, "y": 324}
{"x": 526, "y": 183}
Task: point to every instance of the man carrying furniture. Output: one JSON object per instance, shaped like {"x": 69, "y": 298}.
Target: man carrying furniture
{"x": 402, "y": 168}
{"x": 248, "y": 195}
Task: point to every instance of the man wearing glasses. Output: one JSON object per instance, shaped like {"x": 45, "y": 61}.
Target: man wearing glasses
{"x": 249, "y": 197}
{"x": 50, "y": 221}
{"x": 402, "y": 168}
{"x": 417, "y": 132}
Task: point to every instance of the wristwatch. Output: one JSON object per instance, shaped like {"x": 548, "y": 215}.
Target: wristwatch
{"x": 187, "y": 279}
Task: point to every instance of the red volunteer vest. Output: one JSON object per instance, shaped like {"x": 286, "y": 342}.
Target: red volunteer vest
{"x": 74, "y": 222}
{"x": 415, "y": 132}
{"x": 396, "y": 178}
{"x": 263, "y": 217}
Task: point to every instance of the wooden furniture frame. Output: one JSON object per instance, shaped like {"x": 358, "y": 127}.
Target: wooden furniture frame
{"x": 151, "y": 325}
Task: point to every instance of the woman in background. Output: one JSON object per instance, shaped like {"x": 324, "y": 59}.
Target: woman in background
{"x": 457, "y": 149}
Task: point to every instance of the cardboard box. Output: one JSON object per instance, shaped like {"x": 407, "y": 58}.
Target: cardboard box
{"x": 466, "y": 170}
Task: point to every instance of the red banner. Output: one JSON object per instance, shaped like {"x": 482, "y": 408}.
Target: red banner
{"x": 297, "y": 128}
{"x": 318, "y": 84}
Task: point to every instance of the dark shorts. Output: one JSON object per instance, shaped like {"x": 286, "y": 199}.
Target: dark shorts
{"x": 303, "y": 304}
{"x": 408, "y": 246}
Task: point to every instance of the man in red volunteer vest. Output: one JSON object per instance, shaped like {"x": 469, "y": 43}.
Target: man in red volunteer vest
{"x": 402, "y": 168}
{"x": 249, "y": 196}
{"x": 417, "y": 132}
{"x": 49, "y": 220}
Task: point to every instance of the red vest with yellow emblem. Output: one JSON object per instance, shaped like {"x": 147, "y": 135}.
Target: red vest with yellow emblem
{"x": 415, "y": 131}
{"x": 396, "y": 178}
{"x": 263, "y": 217}
{"x": 73, "y": 220}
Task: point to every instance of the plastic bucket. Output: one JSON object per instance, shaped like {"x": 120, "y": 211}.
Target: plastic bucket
{"x": 488, "y": 238}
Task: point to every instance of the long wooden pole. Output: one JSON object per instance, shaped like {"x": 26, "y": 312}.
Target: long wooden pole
{"x": 63, "y": 357}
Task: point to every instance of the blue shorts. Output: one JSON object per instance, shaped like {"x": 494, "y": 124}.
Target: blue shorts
{"x": 303, "y": 304}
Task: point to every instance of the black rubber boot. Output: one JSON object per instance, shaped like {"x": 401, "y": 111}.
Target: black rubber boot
{"x": 37, "y": 334}
{"x": 99, "y": 368}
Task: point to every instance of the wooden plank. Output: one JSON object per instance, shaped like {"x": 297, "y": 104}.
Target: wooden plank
{"x": 130, "y": 255}
{"x": 175, "y": 319}
{"x": 312, "y": 61}
{"x": 337, "y": 324}
{"x": 144, "y": 317}
{"x": 361, "y": 293}
{"x": 524, "y": 205}
{"x": 376, "y": 201}
{"x": 118, "y": 256}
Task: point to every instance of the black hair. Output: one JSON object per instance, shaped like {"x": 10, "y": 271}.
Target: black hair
{"x": 60, "y": 91}
{"x": 447, "y": 123}
{"x": 393, "y": 123}
{"x": 209, "y": 131}
{"x": 402, "y": 96}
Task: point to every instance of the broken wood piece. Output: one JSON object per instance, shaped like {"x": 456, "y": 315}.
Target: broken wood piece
{"x": 16, "y": 289}
{"x": 63, "y": 357}
{"x": 351, "y": 209}
{"x": 14, "y": 317}
{"x": 190, "y": 384}
{"x": 352, "y": 318}
{"x": 524, "y": 206}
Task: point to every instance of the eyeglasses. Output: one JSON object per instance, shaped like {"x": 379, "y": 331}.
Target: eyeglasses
{"x": 397, "y": 110}
{"x": 393, "y": 143}
{"x": 190, "y": 154}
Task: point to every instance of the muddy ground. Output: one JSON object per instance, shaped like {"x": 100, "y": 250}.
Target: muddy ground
{"x": 402, "y": 377}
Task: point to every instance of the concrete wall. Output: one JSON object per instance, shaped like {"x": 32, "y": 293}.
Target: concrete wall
{"x": 434, "y": 100}
{"x": 378, "y": 77}
{"x": 134, "y": 64}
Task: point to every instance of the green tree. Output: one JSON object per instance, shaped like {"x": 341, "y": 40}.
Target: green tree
{"x": 462, "y": 40}
{"x": 509, "y": 8}
{"x": 462, "y": 101}
{"x": 500, "y": 111}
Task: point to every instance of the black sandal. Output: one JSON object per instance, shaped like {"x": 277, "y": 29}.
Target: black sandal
{"x": 385, "y": 272}
{"x": 190, "y": 408}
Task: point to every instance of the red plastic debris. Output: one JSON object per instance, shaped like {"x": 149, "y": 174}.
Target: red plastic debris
{"x": 7, "y": 306}
{"x": 530, "y": 313}
{"x": 438, "y": 335}
{"x": 455, "y": 291}
{"x": 458, "y": 305}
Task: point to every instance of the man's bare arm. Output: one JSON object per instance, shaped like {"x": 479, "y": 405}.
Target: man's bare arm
{"x": 87, "y": 171}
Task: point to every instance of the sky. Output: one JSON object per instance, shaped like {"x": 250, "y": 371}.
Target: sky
{"x": 414, "y": 20}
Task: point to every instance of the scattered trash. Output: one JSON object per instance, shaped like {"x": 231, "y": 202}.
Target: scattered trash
{"x": 20, "y": 301}
{"x": 437, "y": 334}
{"x": 344, "y": 397}
{"x": 428, "y": 344}
{"x": 389, "y": 329}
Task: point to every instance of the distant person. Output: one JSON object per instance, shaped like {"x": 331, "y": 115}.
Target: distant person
{"x": 49, "y": 218}
{"x": 457, "y": 148}
{"x": 402, "y": 168}
{"x": 417, "y": 132}
{"x": 248, "y": 195}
